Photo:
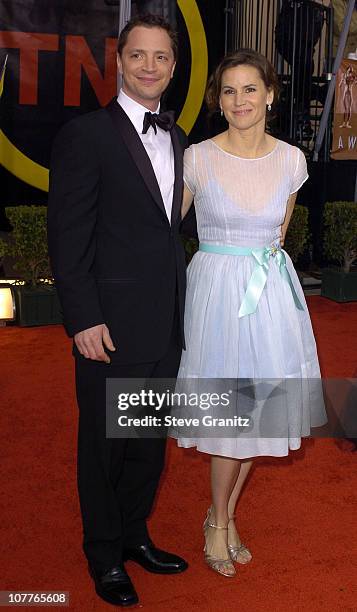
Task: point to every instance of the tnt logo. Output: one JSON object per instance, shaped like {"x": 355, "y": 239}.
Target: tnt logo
{"x": 77, "y": 58}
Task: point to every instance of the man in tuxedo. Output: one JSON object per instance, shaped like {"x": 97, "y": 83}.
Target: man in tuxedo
{"x": 116, "y": 187}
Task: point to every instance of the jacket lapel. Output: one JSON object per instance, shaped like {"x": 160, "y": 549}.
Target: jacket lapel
{"x": 137, "y": 151}
{"x": 178, "y": 185}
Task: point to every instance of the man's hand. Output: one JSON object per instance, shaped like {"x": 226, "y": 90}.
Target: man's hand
{"x": 91, "y": 342}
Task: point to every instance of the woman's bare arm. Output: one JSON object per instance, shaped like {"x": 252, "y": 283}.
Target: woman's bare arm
{"x": 186, "y": 201}
{"x": 289, "y": 211}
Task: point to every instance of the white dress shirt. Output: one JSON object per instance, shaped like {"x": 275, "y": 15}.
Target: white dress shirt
{"x": 158, "y": 147}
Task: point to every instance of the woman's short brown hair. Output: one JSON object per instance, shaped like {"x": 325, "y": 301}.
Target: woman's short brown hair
{"x": 148, "y": 21}
{"x": 247, "y": 57}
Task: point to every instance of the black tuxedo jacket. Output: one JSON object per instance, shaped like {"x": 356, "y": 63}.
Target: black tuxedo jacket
{"x": 116, "y": 259}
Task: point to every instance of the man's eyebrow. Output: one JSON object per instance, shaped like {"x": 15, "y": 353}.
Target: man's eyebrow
{"x": 144, "y": 51}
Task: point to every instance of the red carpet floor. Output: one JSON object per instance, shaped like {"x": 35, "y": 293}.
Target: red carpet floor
{"x": 298, "y": 514}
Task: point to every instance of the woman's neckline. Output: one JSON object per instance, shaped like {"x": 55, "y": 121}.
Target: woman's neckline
{"x": 245, "y": 158}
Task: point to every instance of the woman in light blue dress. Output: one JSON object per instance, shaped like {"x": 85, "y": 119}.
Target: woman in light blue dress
{"x": 246, "y": 315}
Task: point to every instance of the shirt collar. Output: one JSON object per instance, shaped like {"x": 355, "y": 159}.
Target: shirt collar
{"x": 134, "y": 110}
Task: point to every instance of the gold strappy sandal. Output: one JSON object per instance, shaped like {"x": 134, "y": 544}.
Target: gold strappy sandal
{"x": 239, "y": 554}
{"x": 218, "y": 565}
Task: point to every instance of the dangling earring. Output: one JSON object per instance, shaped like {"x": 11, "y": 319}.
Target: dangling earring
{"x": 269, "y": 107}
{"x": 222, "y": 113}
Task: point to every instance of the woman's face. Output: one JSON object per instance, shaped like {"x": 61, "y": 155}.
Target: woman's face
{"x": 244, "y": 97}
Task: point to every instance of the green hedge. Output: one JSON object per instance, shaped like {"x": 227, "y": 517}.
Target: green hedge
{"x": 27, "y": 243}
{"x": 340, "y": 233}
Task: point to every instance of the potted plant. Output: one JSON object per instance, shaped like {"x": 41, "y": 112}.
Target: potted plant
{"x": 36, "y": 298}
{"x": 339, "y": 282}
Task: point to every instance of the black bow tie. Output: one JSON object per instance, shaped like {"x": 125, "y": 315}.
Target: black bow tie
{"x": 164, "y": 120}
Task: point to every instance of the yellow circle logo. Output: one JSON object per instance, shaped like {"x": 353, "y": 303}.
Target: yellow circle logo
{"x": 25, "y": 169}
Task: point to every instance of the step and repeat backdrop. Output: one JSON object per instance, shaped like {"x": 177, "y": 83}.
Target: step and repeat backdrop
{"x": 61, "y": 62}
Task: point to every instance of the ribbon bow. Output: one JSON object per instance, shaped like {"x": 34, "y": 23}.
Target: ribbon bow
{"x": 259, "y": 278}
{"x": 165, "y": 121}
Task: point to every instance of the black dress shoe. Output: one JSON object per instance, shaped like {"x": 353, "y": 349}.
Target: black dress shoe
{"x": 155, "y": 560}
{"x": 114, "y": 586}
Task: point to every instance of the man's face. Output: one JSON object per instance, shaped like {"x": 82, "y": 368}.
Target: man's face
{"x": 147, "y": 64}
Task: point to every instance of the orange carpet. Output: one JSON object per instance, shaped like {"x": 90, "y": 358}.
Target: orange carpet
{"x": 298, "y": 515}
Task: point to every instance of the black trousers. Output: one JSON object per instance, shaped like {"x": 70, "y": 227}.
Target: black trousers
{"x": 117, "y": 478}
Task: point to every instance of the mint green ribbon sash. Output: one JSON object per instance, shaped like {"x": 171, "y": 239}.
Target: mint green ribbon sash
{"x": 259, "y": 276}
